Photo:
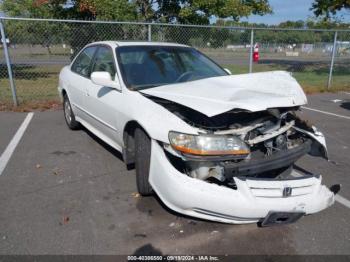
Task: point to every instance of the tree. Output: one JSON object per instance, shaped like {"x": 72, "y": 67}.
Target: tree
{"x": 33, "y": 8}
{"x": 120, "y": 10}
{"x": 166, "y": 11}
{"x": 48, "y": 33}
{"x": 329, "y": 7}
{"x": 202, "y": 10}
{"x": 292, "y": 24}
{"x": 198, "y": 11}
{"x": 174, "y": 11}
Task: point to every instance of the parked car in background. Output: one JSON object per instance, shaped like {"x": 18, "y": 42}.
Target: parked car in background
{"x": 211, "y": 145}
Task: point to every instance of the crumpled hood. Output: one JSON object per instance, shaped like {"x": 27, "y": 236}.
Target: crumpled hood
{"x": 216, "y": 95}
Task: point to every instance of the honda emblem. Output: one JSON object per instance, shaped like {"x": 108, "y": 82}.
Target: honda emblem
{"x": 287, "y": 191}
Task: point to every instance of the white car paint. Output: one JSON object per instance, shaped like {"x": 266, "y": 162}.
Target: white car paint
{"x": 196, "y": 198}
{"x": 106, "y": 112}
{"x": 253, "y": 92}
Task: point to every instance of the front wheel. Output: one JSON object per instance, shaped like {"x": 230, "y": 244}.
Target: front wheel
{"x": 142, "y": 162}
{"x": 69, "y": 115}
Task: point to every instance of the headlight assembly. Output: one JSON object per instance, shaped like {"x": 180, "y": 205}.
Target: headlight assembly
{"x": 208, "y": 145}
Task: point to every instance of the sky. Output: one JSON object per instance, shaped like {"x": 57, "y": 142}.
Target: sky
{"x": 290, "y": 10}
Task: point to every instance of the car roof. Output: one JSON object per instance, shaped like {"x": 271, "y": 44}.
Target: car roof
{"x": 135, "y": 43}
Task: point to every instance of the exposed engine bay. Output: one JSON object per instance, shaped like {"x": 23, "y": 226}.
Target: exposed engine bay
{"x": 276, "y": 139}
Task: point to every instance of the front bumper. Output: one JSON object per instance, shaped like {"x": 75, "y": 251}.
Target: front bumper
{"x": 251, "y": 202}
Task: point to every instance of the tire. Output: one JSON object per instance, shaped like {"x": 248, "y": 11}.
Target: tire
{"x": 69, "y": 115}
{"x": 142, "y": 162}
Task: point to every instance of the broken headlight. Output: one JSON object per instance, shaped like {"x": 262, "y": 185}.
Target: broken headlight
{"x": 208, "y": 145}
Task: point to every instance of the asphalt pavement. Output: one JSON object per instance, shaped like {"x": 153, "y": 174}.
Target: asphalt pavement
{"x": 66, "y": 192}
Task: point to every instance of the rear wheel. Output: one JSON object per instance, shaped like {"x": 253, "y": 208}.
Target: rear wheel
{"x": 69, "y": 115}
{"x": 142, "y": 162}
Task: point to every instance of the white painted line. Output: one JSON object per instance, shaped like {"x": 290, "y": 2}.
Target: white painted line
{"x": 342, "y": 201}
{"x": 325, "y": 112}
{"x": 5, "y": 157}
{"x": 347, "y": 93}
{"x": 336, "y": 100}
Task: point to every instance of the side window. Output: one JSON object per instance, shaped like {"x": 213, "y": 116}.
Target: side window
{"x": 82, "y": 63}
{"x": 104, "y": 61}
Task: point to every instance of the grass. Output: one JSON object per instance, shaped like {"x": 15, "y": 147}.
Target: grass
{"x": 37, "y": 85}
{"x": 313, "y": 78}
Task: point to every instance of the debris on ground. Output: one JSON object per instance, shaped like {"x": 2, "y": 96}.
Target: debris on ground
{"x": 175, "y": 225}
{"x": 135, "y": 195}
{"x": 56, "y": 172}
{"x": 333, "y": 162}
{"x": 65, "y": 220}
{"x": 140, "y": 235}
{"x": 38, "y": 166}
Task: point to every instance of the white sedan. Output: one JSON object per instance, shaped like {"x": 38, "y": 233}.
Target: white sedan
{"x": 211, "y": 145}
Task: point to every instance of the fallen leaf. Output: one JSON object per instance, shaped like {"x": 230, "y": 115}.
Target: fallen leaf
{"x": 135, "y": 195}
{"x": 56, "y": 171}
{"x": 65, "y": 220}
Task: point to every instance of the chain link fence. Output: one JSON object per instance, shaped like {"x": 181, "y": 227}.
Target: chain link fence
{"x": 38, "y": 49}
{"x": 341, "y": 70}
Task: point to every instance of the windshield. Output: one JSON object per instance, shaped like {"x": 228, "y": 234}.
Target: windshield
{"x": 149, "y": 66}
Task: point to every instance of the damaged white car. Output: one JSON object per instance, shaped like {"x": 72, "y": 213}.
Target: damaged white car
{"x": 211, "y": 145}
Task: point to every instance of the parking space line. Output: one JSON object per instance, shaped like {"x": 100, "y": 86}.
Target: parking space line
{"x": 6, "y": 155}
{"x": 325, "y": 112}
{"x": 342, "y": 200}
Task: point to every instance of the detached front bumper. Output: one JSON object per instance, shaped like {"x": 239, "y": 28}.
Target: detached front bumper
{"x": 251, "y": 202}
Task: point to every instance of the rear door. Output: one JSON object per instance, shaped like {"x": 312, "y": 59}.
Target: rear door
{"x": 80, "y": 79}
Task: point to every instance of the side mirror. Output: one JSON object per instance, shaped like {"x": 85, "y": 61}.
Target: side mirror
{"x": 228, "y": 71}
{"x": 104, "y": 79}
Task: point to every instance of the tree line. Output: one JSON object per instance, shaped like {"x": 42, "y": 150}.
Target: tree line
{"x": 228, "y": 14}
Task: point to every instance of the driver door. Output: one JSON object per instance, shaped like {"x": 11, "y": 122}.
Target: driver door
{"x": 102, "y": 101}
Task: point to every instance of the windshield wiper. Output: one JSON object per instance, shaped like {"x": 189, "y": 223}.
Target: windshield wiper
{"x": 141, "y": 87}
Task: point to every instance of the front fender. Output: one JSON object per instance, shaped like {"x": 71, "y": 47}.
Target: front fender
{"x": 155, "y": 119}
{"x": 318, "y": 146}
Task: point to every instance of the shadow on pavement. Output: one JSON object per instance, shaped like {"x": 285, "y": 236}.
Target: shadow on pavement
{"x": 147, "y": 250}
{"x": 345, "y": 105}
{"x": 104, "y": 145}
